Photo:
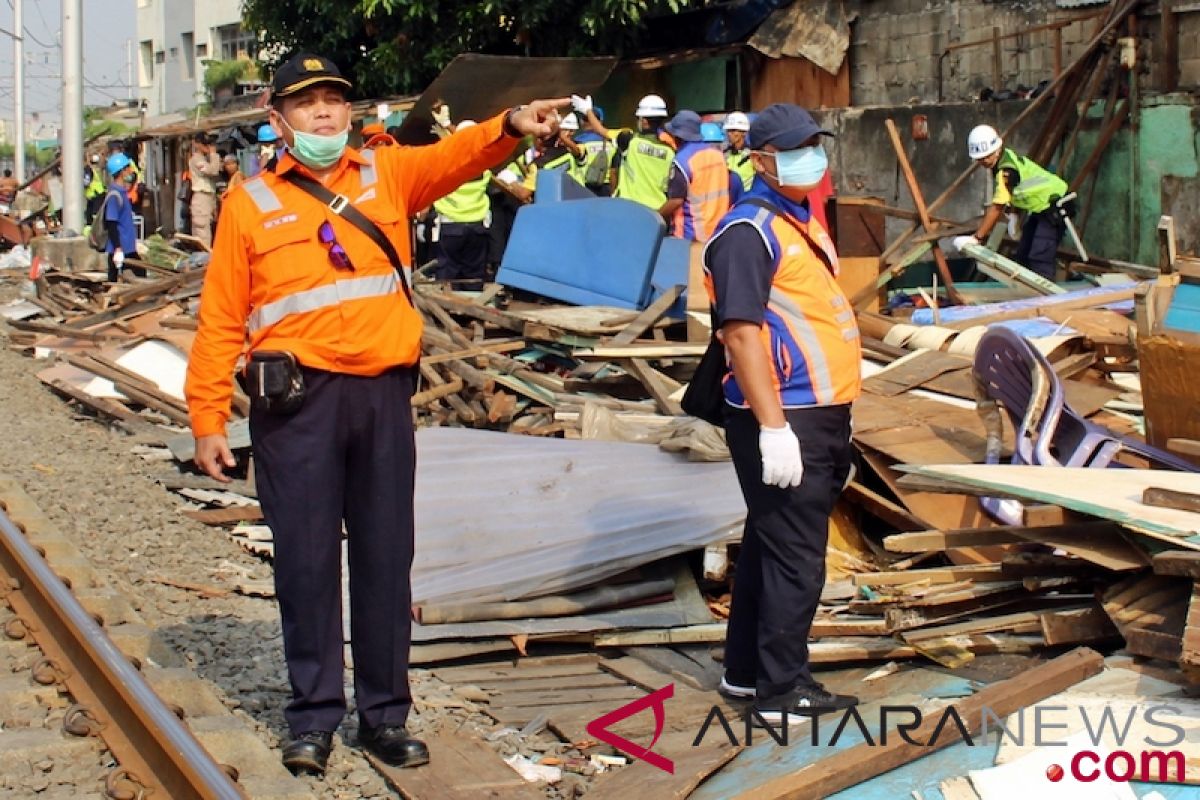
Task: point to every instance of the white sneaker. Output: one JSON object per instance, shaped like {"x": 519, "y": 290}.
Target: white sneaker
{"x": 736, "y": 692}
{"x": 776, "y": 716}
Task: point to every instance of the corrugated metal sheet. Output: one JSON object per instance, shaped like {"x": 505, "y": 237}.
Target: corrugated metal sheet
{"x": 501, "y": 517}
{"x": 818, "y": 31}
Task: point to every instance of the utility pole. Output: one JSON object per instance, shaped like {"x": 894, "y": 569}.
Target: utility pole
{"x": 129, "y": 69}
{"x": 72, "y": 106}
{"x": 19, "y": 89}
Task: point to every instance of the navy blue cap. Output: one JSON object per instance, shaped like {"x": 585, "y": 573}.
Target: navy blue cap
{"x": 785, "y": 125}
{"x": 304, "y": 70}
{"x": 685, "y": 126}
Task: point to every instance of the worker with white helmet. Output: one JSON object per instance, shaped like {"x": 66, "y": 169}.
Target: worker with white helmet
{"x": 597, "y": 151}
{"x": 643, "y": 159}
{"x": 737, "y": 157}
{"x": 463, "y": 219}
{"x": 1022, "y": 185}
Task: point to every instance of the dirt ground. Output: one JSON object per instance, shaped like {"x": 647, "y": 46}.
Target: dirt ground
{"x": 87, "y": 479}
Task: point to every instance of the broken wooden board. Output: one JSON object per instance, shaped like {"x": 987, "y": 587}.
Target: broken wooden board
{"x": 913, "y": 370}
{"x": 641, "y": 779}
{"x": 460, "y": 768}
{"x": 1100, "y": 543}
{"x": 1113, "y": 494}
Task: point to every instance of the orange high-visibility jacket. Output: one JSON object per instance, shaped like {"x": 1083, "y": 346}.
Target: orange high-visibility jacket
{"x": 809, "y": 331}
{"x": 272, "y": 285}
{"x": 708, "y": 192}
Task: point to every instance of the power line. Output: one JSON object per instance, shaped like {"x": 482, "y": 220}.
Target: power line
{"x": 29, "y": 34}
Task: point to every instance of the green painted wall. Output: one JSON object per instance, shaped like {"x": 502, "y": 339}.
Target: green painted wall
{"x": 1167, "y": 143}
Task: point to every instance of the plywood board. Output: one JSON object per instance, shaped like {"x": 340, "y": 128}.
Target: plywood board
{"x": 460, "y": 768}
{"x": 1113, "y": 494}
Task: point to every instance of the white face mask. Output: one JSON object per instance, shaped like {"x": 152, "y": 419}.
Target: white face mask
{"x": 316, "y": 151}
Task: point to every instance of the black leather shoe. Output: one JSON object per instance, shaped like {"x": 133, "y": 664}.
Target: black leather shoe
{"x": 392, "y": 745}
{"x": 308, "y": 752}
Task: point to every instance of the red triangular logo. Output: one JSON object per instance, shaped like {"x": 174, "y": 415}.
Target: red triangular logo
{"x": 656, "y": 700}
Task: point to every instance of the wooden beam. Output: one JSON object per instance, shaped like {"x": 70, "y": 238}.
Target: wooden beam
{"x": 657, "y": 384}
{"x": 1184, "y": 563}
{"x": 651, "y": 315}
{"x": 1169, "y": 498}
{"x": 981, "y": 573}
{"x": 857, "y": 764}
{"x": 874, "y": 503}
{"x": 919, "y": 200}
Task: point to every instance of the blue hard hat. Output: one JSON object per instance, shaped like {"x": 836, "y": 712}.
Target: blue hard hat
{"x": 117, "y": 162}
{"x": 266, "y": 133}
{"x": 711, "y": 132}
{"x": 599, "y": 112}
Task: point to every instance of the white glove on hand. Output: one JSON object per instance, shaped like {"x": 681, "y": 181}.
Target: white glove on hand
{"x": 442, "y": 116}
{"x": 781, "y": 460}
{"x": 962, "y": 241}
{"x": 119, "y": 258}
{"x": 581, "y": 104}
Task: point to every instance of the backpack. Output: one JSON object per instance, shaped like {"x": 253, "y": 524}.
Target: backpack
{"x": 98, "y": 235}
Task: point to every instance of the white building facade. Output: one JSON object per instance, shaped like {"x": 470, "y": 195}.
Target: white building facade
{"x": 174, "y": 39}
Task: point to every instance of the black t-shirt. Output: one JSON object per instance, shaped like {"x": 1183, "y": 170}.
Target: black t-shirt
{"x": 742, "y": 271}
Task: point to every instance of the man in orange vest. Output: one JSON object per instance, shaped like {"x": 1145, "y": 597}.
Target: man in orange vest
{"x": 699, "y": 185}
{"x": 792, "y": 345}
{"x": 309, "y": 273}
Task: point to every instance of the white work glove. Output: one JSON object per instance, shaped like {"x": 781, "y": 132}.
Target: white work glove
{"x": 581, "y": 104}
{"x": 442, "y": 116}
{"x": 781, "y": 461}
{"x": 962, "y": 241}
{"x": 119, "y": 258}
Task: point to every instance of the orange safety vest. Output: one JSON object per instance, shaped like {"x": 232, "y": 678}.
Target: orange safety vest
{"x": 708, "y": 192}
{"x": 809, "y": 331}
{"x": 271, "y": 281}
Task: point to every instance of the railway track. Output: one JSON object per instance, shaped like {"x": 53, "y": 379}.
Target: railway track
{"x": 79, "y": 650}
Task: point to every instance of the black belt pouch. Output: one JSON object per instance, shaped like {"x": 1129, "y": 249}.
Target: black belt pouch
{"x": 273, "y": 382}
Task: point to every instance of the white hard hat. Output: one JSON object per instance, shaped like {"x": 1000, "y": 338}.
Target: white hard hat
{"x": 569, "y": 123}
{"x": 982, "y": 141}
{"x": 464, "y": 124}
{"x": 736, "y": 121}
{"x": 651, "y": 106}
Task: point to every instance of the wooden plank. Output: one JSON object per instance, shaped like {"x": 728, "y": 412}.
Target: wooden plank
{"x": 1184, "y": 563}
{"x": 1077, "y": 626}
{"x": 1019, "y": 622}
{"x": 651, "y": 315}
{"x": 641, "y": 779}
{"x": 657, "y": 384}
{"x": 1104, "y": 493}
{"x": 854, "y": 765}
{"x": 1039, "y": 308}
{"x": 914, "y": 370}
{"x": 560, "y": 697}
{"x": 1190, "y": 657}
{"x": 460, "y": 768}
{"x": 226, "y": 516}
{"x": 979, "y": 573}
{"x": 651, "y": 351}
{"x": 597, "y": 679}
{"x": 506, "y": 670}
{"x": 1168, "y": 498}
{"x": 874, "y": 503}
{"x": 1100, "y": 543}
{"x": 507, "y": 346}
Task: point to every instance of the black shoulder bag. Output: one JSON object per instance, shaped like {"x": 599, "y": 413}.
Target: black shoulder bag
{"x": 705, "y": 395}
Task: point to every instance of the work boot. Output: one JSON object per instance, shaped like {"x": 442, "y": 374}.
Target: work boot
{"x": 392, "y": 745}
{"x": 801, "y": 703}
{"x": 308, "y": 752}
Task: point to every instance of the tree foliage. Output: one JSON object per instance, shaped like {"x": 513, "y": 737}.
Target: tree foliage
{"x": 399, "y": 46}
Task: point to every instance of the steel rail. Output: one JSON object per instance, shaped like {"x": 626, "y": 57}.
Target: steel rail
{"x": 153, "y": 747}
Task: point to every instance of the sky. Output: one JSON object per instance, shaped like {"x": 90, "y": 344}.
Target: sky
{"x": 107, "y": 25}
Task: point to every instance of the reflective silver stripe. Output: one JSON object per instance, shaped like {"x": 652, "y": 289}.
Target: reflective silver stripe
{"x": 322, "y": 297}
{"x": 844, "y": 316}
{"x": 704, "y": 198}
{"x": 818, "y": 368}
{"x": 262, "y": 195}
{"x": 366, "y": 174}
{"x": 837, "y": 302}
{"x": 850, "y": 335}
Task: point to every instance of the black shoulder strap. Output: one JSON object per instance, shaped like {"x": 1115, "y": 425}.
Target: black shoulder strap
{"x": 343, "y": 208}
{"x": 779, "y": 212}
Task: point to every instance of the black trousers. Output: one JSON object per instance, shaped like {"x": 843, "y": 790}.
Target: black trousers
{"x": 1038, "y": 247}
{"x": 462, "y": 251}
{"x": 781, "y": 568}
{"x": 347, "y": 454}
